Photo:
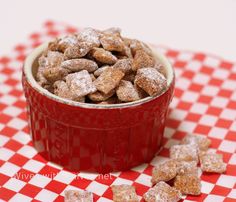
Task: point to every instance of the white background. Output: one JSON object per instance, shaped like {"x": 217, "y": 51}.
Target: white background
{"x": 199, "y": 25}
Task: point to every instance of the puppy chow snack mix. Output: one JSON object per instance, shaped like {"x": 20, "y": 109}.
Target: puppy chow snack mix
{"x": 100, "y": 67}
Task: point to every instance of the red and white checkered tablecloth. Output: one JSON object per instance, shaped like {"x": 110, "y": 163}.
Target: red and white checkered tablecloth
{"x": 204, "y": 103}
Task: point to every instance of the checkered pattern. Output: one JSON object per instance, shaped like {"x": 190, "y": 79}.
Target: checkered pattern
{"x": 204, "y": 103}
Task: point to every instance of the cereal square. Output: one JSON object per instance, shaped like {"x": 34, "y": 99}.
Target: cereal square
{"x": 78, "y": 196}
{"x": 187, "y": 167}
{"x": 188, "y": 184}
{"x": 164, "y": 172}
{"x": 77, "y": 51}
{"x": 129, "y": 77}
{"x": 99, "y": 96}
{"x": 124, "y": 193}
{"x": 162, "y": 192}
{"x": 111, "y": 100}
{"x": 66, "y": 42}
{"x": 126, "y": 92}
{"x": 99, "y": 71}
{"x": 51, "y": 59}
{"x": 75, "y": 65}
{"x": 90, "y": 36}
{"x": 136, "y": 45}
{"x": 108, "y": 80}
{"x": 53, "y": 74}
{"x": 103, "y": 56}
{"x": 142, "y": 60}
{"x": 112, "y": 43}
{"x": 202, "y": 142}
{"x": 186, "y": 152}
{"x": 80, "y": 83}
{"x": 150, "y": 80}
{"x": 212, "y": 162}
{"x": 124, "y": 65}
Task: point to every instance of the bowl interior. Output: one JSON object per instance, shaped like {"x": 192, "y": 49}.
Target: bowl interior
{"x": 31, "y": 67}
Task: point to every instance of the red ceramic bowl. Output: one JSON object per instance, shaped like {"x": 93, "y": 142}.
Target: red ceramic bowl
{"x": 90, "y": 137}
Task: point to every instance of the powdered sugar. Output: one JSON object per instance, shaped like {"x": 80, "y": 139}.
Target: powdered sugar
{"x": 187, "y": 167}
{"x": 78, "y": 196}
{"x": 126, "y": 91}
{"x": 80, "y": 83}
{"x": 202, "y": 142}
{"x": 211, "y": 162}
{"x": 164, "y": 172}
{"x": 69, "y": 40}
{"x": 184, "y": 152}
{"x": 150, "y": 80}
{"x": 90, "y": 36}
{"x": 162, "y": 192}
{"x": 188, "y": 184}
{"x": 99, "y": 71}
{"x": 124, "y": 193}
{"x": 75, "y": 65}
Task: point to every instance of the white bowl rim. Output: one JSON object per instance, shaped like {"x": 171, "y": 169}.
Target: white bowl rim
{"x": 31, "y": 80}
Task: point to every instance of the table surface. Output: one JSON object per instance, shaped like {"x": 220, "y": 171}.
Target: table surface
{"x": 203, "y": 25}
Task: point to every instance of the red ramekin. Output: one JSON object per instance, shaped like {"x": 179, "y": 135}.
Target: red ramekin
{"x": 90, "y": 137}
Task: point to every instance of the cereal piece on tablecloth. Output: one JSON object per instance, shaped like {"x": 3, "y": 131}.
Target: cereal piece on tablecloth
{"x": 142, "y": 60}
{"x": 151, "y": 81}
{"x": 99, "y": 71}
{"x": 90, "y": 36}
{"x": 162, "y": 192}
{"x": 212, "y": 162}
{"x": 54, "y": 74}
{"x": 126, "y": 92}
{"x": 77, "y": 51}
{"x": 108, "y": 80}
{"x": 124, "y": 65}
{"x": 80, "y": 83}
{"x": 164, "y": 172}
{"x": 99, "y": 96}
{"x": 187, "y": 167}
{"x": 75, "y": 65}
{"x": 188, "y": 184}
{"x": 202, "y": 142}
{"x": 184, "y": 152}
{"x": 112, "y": 43}
{"x": 103, "y": 56}
{"x": 78, "y": 196}
{"x": 124, "y": 193}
